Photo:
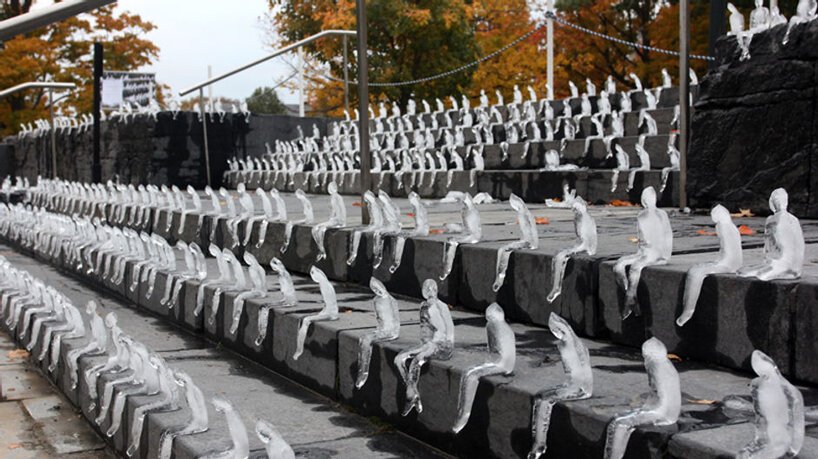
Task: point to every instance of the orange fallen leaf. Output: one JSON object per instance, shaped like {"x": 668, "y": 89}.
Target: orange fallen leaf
{"x": 621, "y": 203}
{"x": 702, "y": 401}
{"x": 556, "y": 200}
{"x": 745, "y": 230}
{"x": 17, "y": 354}
{"x": 15, "y": 446}
{"x": 633, "y": 239}
{"x": 357, "y": 204}
{"x": 674, "y": 357}
{"x": 542, "y": 221}
{"x": 436, "y": 231}
{"x": 411, "y": 214}
{"x": 703, "y": 232}
{"x": 743, "y": 213}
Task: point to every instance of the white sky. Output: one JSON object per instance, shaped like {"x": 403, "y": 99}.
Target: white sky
{"x": 192, "y": 34}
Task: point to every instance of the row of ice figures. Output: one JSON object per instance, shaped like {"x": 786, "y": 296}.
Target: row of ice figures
{"x": 783, "y": 250}
{"x": 413, "y": 129}
{"x": 38, "y": 314}
{"x": 763, "y": 18}
{"x": 16, "y": 185}
{"x": 778, "y": 405}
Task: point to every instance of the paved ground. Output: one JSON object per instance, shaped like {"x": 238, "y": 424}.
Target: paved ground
{"x": 35, "y": 420}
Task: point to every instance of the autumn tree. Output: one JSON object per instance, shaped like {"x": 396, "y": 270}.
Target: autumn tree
{"x": 63, "y": 52}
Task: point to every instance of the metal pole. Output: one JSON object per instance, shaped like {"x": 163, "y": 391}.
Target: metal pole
{"x": 210, "y": 88}
{"x": 53, "y": 135}
{"x": 363, "y": 109}
{"x": 684, "y": 97}
{"x": 346, "y": 74}
{"x": 301, "y": 82}
{"x": 96, "y": 166}
{"x": 204, "y": 133}
{"x": 42, "y": 17}
{"x": 550, "y": 57}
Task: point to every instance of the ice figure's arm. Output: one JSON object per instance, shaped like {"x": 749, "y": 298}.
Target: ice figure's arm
{"x": 795, "y": 402}
{"x": 238, "y": 432}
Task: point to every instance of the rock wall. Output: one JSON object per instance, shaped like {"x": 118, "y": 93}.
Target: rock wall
{"x": 755, "y": 123}
{"x": 164, "y": 151}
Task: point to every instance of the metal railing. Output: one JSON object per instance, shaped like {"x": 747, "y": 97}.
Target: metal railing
{"x": 295, "y": 46}
{"x": 51, "y": 87}
{"x": 45, "y": 16}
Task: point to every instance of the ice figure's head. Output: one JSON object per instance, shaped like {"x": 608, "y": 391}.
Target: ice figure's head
{"x": 274, "y": 193}
{"x": 732, "y": 8}
{"x": 369, "y": 197}
{"x": 654, "y": 349}
{"x": 558, "y": 326}
{"x": 276, "y": 265}
{"x": 249, "y": 258}
{"x": 515, "y": 202}
{"x": 316, "y": 274}
{"x": 720, "y": 214}
{"x": 429, "y": 289}
{"x": 649, "y": 198}
{"x": 377, "y": 287}
{"x": 414, "y": 198}
{"x": 779, "y": 200}
{"x": 110, "y": 320}
{"x": 91, "y": 307}
{"x": 221, "y": 404}
{"x": 579, "y": 207}
{"x": 494, "y": 313}
{"x": 332, "y": 188}
{"x": 762, "y": 364}
{"x": 155, "y": 361}
{"x": 759, "y": 3}
{"x": 181, "y": 245}
{"x": 300, "y": 193}
{"x": 214, "y": 250}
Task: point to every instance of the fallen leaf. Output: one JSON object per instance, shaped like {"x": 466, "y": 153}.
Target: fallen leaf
{"x": 703, "y": 232}
{"x": 18, "y": 354}
{"x": 411, "y": 214}
{"x": 621, "y": 203}
{"x": 745, "y": 230}
{"x": 743, "y": 213}
{"x": 633, "y": 239}
{"x": 556, "y": 200}
{"x": 674, "y": 357}
{"x": 542, "y": 221}
{"x": 702, "y": 401}
{"x": 436, "y": 231}
{"x": 15, "y": 446}
{"x": 357, "y": 204}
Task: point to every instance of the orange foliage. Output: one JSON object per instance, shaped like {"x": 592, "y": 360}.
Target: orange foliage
{"x": 745, "y": 230}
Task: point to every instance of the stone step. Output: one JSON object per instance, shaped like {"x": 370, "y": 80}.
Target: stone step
{"x": 500, "y": 423}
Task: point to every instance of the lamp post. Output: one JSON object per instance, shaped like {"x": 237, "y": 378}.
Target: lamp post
{"x": 684, "y": 97}
{"x": 363, "y": 108}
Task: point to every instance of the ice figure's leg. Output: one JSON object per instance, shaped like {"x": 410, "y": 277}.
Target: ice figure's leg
{"x": 107, "y": 395}
{"x": 400, "y": 361}
{"x": 318, "y": 232}
{"x": 48, "y": 337}
{"x": 364, "y": 356}
{"x": 558, "y": 264}
{"x": 182, "y": 220}
{"x": 135, "y": 275}
{"x": 400, "y": 241}
{"x": 169, "y": 224}
{"x": 138, "y": 421}
{"x": 620, "y": 429}
{"x": 449, "y": 177}
{"x": 288, "y": 233}
{"x": 238, "y": 308}
{"x": 614, "y": 180}
{"x": 215, "y": 304}
{"x": 169, "y": 281}
{"x": 413, "y": 376}
{"x": 302, "y": 332}
{"x": 353, "y": 251}
{"x": 214, "y": 222}
{"x": 118, "y": 407}
{"x": 73, "y": 358}
{"x": 776, "y": 270}
{"x": 620, "y": 269}
{"x": 262, "y": 233}
{"x": 166, "y": 440}
{"x": 98, "y": 264}
{"x": 54, "y": 358}
{"x": 631, "y": 303}
{"x": 151, "y": 283}
{"x": 106, "y": 269}
{"x": 631, "y": 179}
{"x": 448, "y": 258}
{"x": 377, "y": 249}
{"x": 693, "y": 287}
{"x": 248, "y": 231}
{"x": 468, "y": 389}
{"x": 263, "y": 318}
{"x": 541, "y": 415}
{"x": 665, "y": 174}
{"x": 472, "y": 177}
{"x": 199, "y": 299}
{"x": 503, "y": 256}
{"x": 177, "y": 288}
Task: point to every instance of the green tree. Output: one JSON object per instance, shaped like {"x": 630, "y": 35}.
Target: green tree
{"x": 265, "y": 101}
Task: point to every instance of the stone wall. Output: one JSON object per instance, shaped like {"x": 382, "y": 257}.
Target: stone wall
{"x": 165, "y": 151}
{"x": 755, "y": 123}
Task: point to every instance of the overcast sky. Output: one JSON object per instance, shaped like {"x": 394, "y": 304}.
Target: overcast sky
{"x": 193, "y": 34}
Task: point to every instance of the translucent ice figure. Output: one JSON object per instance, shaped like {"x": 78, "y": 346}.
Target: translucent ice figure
{"x": 783, "y": 243}
{"x": 655, "y": 245}
{"x": 644, "y": 163}
{"x": 307, "y": 220}
{"x": 133, "y": 377}
{"x": 391, "y": 226}
{"x": 502, "y": 346}
{"x": 436, "y": 342}
{"x": 239, "y": 284}
{"x": 337, "y": 219}
{"x": 258, "y": 284}
{"x": 225, "y": 277}
{"x": 528, "y": 239}
{"x": 674, "y": 158}
{"x": 167, "y": 399}
{"x": 74, "y": 328}
{"x": 388, "y": 329}
{"x": 729, "y": 261}
{"x": 97, "y": 346}
{"x": 198, "y": 421}
{"x": 472, "y": 233}
{"x": 569, "y": 196}
{"x": 274, "y": 445}
{"x": 759, "y": 17}
{"x": 421, "y": 229}
{"x": 576, "y": 363}
{"x": 375, "y": 224}
{"x": 117, "y": 358}
{"x": 146, "y": 382}
{"x": 329, "y": 312}
{"x": 779, "y": 413}
{"x": 287, "y": 289}
{"x": 662, "y": 407}
{"x": 623, "y": 163}
{"x": 586, "y": 241}
{"x": 804, "y": 12}
{"x": 240, "y": 448}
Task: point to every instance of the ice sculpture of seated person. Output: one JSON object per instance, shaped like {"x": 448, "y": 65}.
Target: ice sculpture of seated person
{"x": 783, "y": 243}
